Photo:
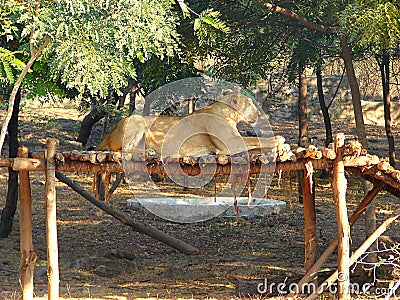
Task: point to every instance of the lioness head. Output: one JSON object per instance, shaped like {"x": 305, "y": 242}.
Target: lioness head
{"x": 243, "y": 105}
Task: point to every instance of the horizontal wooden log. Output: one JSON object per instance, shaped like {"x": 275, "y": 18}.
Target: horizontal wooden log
{"x": 373, "y": 159}
{"x": 127, "y": 156}
{"x": 223, "y": 159}
{"x": 75, "y": 155}
{"x": 26, "y": 164}
{"x": 65, "y": 154}
{"x": 101, "y": 157}
{"x": 313, "y": 152}
{"x": 239, "y": 160}
{"x": 282, "y": 148}
{"x": 373, "y": 172}
{"x": 300, "y": 152}
{"x": 59, "y": 157}
{"x": 84, "y": 157}
{"x": 383, "y": 166}
{"x": 190, "y": 160}
{"x": 353, "y": 148}
{"x": 350, "y": 161}
{"x": 396, "y": 175}
{"x": 328, "y": 153}
{"x": 114, "y": 156}
{"x": 286, "y": 156}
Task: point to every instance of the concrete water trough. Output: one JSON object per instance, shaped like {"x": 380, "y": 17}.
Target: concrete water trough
{"x": 190, "y": 210}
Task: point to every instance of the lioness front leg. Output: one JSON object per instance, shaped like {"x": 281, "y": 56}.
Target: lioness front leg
{"x": 238, "y": 144}
{"x": 260, "y": 143}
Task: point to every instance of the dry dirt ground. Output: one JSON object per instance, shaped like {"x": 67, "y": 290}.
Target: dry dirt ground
{"x": 100, "y": 258}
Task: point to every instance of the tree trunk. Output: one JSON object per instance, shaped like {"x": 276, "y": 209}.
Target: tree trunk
{"x": 324, "y": 109}
{"x": 385, "y": 76}
{"x": 132, "y": 102}
{"x": 7, "y": 215}
{"x": 87, "y": 123}
{"x": 355, "y": 92}
{"x": 370, "y": 216}
{"x": 302, "y": 106}
{"x": 303, "y": 120}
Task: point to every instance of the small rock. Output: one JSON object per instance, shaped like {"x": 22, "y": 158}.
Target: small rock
{"x": 108, "y": 271}
{"x": 177, "y": 273}
{"x": 116, "y": 253}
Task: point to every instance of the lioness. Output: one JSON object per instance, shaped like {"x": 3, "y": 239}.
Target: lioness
{"x": 208, "y": 130}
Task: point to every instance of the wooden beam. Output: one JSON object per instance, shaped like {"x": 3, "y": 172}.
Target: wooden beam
{"x": 137, "y": 226}
{"x": 373, "y": 175}
{"x": 51, "y": 222}
{"x": 339, "y": 186}
{"x": 28, "y": 256}
{"x": 5, "y": 162}
{"x": 35, "y": 164}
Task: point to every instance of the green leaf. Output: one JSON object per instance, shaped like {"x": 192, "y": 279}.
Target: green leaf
{"x": 197, "y": 24}
{"x": 140, "y": 56}
{"x": 8, "y": 71}
{"x": 209, "y": 21}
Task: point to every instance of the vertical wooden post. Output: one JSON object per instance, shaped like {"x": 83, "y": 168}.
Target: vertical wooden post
{"x": 28, "y": 256}
{"x": 51, "y": 221}
{"x": 339, "y": 186}
{"x": 106, "y": 184}
{"x": 191, "y": 105}
{"x": 310, "y": 228}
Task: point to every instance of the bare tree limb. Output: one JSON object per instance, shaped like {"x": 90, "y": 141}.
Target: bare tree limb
{"x": 15, "y": 89}
{"x": 292, "y": 15}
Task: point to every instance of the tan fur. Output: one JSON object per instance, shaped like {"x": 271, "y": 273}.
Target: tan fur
{"x": 211, "y": 129}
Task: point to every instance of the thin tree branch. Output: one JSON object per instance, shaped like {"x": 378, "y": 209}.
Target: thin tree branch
{"x": 15, "y": 90}
{"x": 337, "y": 89}
{"x": 292, "y": 15}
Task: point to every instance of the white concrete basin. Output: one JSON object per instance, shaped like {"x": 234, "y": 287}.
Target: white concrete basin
{"x": 190, "y": 210}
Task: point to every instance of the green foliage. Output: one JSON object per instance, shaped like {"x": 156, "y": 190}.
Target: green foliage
{"x": 10, "y": 65}
{"x": 98, "y": 42}
{"x": 39, "y": 84}
{"x": 95, "y": 44}
{"x": 378, "y": 24}
{"x": 7, "y": 24}
{"x": 209, "y": 27}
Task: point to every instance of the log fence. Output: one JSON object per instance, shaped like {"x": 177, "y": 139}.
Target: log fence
{"x": 340, "y": 157}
